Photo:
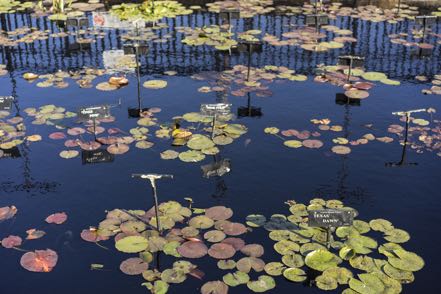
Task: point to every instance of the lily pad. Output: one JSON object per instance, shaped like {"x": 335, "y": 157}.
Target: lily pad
{"x": 132, "y": 244}
{"x": 321, "y": 259}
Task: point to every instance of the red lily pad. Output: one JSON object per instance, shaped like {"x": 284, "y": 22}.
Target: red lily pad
{"x": 312, "y": 143}
{"x": 133, "y": 266}
{"x": 71, "y": 143}
{"x": 11, "y": 241}
{"x": 221, "y": 251}
{"x": 289, "y": 133}
{"x": 92, "y": 236}
{"x": 193, "y": 249}
{"x": 219, "y": 213}
{"x": 253, "y": 250}
{"x": 39, "y": 260}
{"x": 76, "y": 131}
{"x": 118, "y": 148}
{"x": 234, "y": 229}
{"x": 57, "y": 218}
{"x": 214, "y": 287}
{"x": 92, "y": 145}
{"x": 57, "y": 136}
{"x": 237, "y": 243}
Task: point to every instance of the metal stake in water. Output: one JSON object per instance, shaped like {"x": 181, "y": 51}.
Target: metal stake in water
{"x": 152, "y": 178}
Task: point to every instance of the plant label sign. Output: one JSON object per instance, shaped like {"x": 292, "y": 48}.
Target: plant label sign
{"x": 215, "y": 109}
{"x": 6, "y": 102}
{"x": 330, "y": 218}
{"x": 348, "y": 60}
{"x": 96, "y": 156}
{"x": 93, "y": 112}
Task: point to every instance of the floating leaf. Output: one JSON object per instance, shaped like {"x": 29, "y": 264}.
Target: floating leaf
{"x": 193, "y": 249}
{"x": 39, "y": 260}
{"x": 221, "y": 251}
{"x": 11, "y": 241}
{"x": 326, "y": 283}
{"x": 214, "y": 287}
{"x": 155, "y": 84}
{"x": 295, "y": 274}
{"x": 274, "y": 268}
{"x": 133, "y": 266}
{"x": 321, "y": 259}
{"x": 219, "y": 213}
{"x": 407, "y": 261}
{"x": 132, "y": 244}
{"x": 57, "y": 218}
{"x": 236, "y": 279}
{"x": 263, "y": 284}
{"x": 191, "y": 156}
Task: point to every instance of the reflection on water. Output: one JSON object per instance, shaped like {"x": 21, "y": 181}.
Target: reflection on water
{"x": 52, "y": 54}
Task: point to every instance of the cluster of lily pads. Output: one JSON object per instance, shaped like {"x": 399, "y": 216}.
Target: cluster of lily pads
{"x": 308, "y": 139}
{"x": 211, "y": 36}
{"x": 187, "y": 233}
{"x": 28, "y": 35}
{"x": 200, "y": 145}
{"x": 37, "y": 260}
{"x": 416, "y": 38}
{"x": 11, "y": 6}
{"x": 184, "y": 234}
{"x": 239, "y": 81}
{"x": 339, "y": 75}
{"x": 423, "y": 134}
{"x": 246, "y": 8}
{"x": 83, "y": 78}
{"x": 308, "y": 254}
{"x": 150, "y": 11}
{"x": 436, "y": 85}
{"x": 13, "y": 132}
{"x": 308, "y": 38}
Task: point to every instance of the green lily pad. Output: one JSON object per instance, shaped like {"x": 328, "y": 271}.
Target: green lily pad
{"x": 361, "y": 244}
{"x": 374, "y": 76}
{"x": 172, "y": 276}
{"x": 191, "y": 156}
{"x": 321, "y": 259}
{"x": 132, "y": 244}
{"x": 170, "y": 248}
{"x": 285, "y": 247}
{"x": 271, "y": 130}
{"x": 407, "y": 261}
{"x": 293, "y": 143}
{"x": 364, "y": 263}
{"x": 397, "y": 236}
{"x": 263, "y": 284}
{"x": 236, "y": 278}
{"x": 368, "y": 284}
{"x": 397, "y": 274}
{"x": 274, "y": 268}
{"x": 381, "y": 225}
{"x": 295, "y": 274}
{"x": 255, "y": 220}
{"x": 293, "y": 260}
{"x": 326, "y": 283}
{"x": 340, "y": 274}
{"x": 199, "y": 142}
{"x": 158, "y": 287}
{"x": 226, "y": 264}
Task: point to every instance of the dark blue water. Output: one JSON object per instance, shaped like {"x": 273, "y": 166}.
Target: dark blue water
{"x": 264, "y": 173}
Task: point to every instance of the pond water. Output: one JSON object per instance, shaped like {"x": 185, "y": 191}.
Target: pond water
{"x": 264, "y": 173}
